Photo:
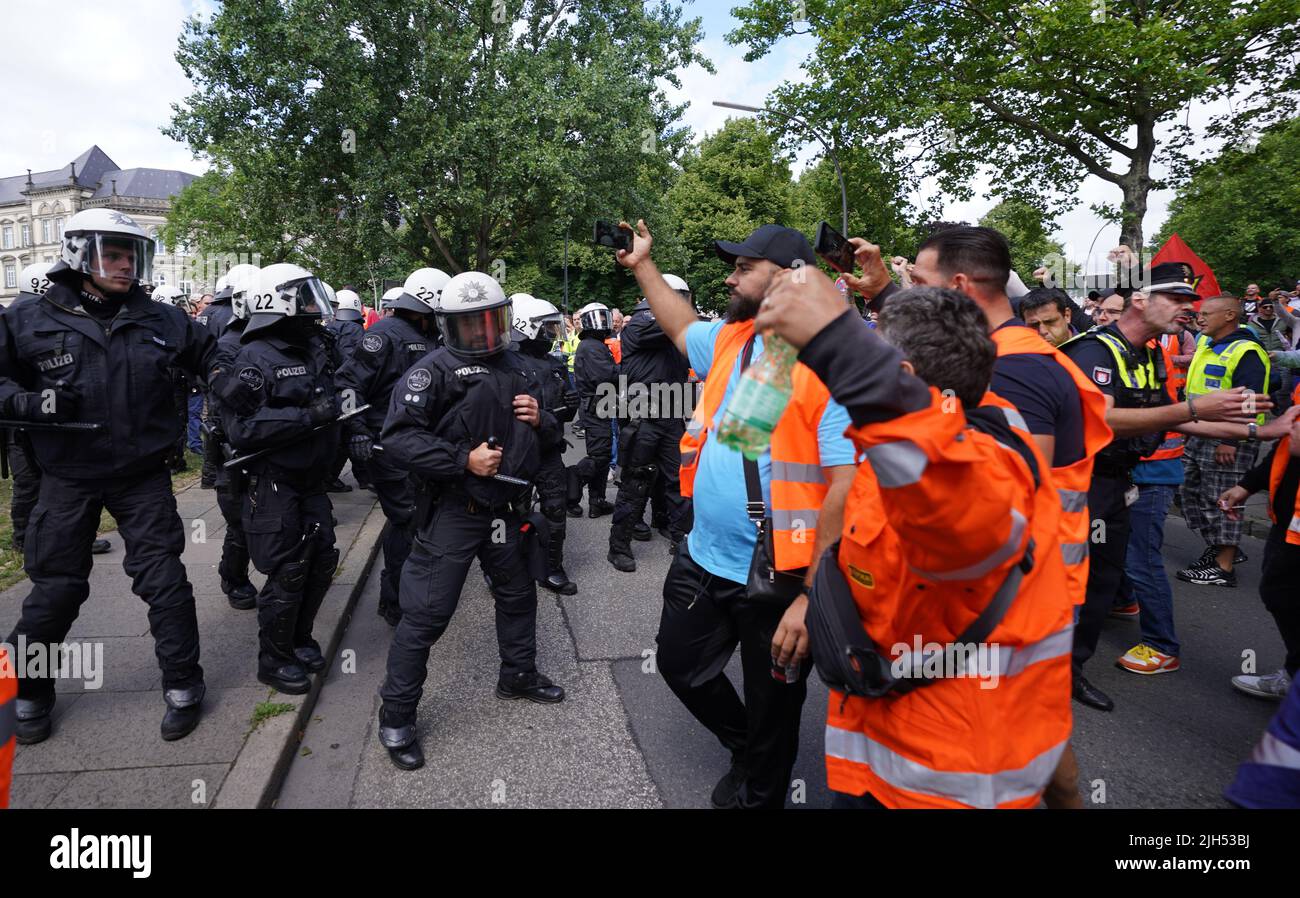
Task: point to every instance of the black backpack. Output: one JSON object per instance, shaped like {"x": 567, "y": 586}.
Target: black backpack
{"x": 846, "y": 657}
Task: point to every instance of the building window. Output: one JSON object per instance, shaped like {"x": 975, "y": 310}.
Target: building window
{"x": 49, "y": 258}
{"x": 160, "y": 278}
{"x": 27, "y": 235}
{"x": 9, "y": 237}
{"x": 11, "y": 275}
{"x": 45, "y": 231}
{"x": 58, "y": 227}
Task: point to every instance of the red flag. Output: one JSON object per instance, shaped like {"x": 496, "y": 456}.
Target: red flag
{"x": 1201, "y": 275}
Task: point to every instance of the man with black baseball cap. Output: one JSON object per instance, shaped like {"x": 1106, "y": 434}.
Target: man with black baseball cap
{"x": 707, "y": 608}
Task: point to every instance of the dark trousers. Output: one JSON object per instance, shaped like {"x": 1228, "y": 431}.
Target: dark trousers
{"x": 397, "y": 499}
{"x": 431, "y": 584}
{"x": 58, "y": 561}
{"x": 651, "y": 452}
{"x": 593, "y": 470}
{"x": 1107, "y": 551}
{"x": 234, "y": 544}
{"x": 278, "y": 512}
{"x": 1279, "y": 587}
{"x": 704, "y": 617}
{"x": 26, "y": 488}
{"x": 552, "y": 486}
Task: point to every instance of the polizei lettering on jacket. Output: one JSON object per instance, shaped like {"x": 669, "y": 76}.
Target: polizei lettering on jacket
{"x": 467, "y": 370}
{"x": 53, "y": 362}
{"x": 290, "y": 371}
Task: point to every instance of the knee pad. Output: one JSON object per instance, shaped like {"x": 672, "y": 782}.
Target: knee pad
{"x": 326, "y": 564}
{"x": 554, "y": 510}
{"x": 291, "y": 576}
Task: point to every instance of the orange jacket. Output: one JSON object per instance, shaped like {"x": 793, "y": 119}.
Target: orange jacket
{"x": 8, "y": 720}
{"x": 1172, "y": 446}
{"x": 1281, "y": 458}
{"x": 932, "y": 526}
{"x": 1172, "y": 346}
{"x": 1071, "y": 480}
{"x": 615, "y": 348}
{"x": 798, "y": 485}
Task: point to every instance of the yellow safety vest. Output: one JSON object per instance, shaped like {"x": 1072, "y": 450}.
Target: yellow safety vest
{"x": 1210, "y": 370}
{"x": 570, "y": 347}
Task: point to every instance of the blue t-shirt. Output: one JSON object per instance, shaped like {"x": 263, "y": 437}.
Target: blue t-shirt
{"x": 722, "y": 539}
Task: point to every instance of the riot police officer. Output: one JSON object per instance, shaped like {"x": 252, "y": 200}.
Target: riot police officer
{"x": 347, "y": 329}
{"x": 593, "y": 368}
{"x": 537, "y": 325}
{"x": 233, "y": 568}
{"x": 279, "y": 399}
{"x": 650, "y": 436}
{"x": 94, "y": 350}
{"x": 33, "y": 281}
{"x": 467, "y": 419}
{"x": 217, "y": 317}
{"x": 388, "y": 349}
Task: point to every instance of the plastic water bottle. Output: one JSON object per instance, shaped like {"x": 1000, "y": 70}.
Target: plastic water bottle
{"x": 759, "y": 400}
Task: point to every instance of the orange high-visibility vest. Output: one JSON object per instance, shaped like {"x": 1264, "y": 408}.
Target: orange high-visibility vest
{"x": 797, "y": 485}
{"x": 1281, "y": 458}
{"x": 615, "y": 348}
{"x": 8, "y": 723}
{"x": 1172, "y": 346}
{"x": 932, "y": 524}
{"x": 1172, "y": 446}
{"x": 1071, "y": 480}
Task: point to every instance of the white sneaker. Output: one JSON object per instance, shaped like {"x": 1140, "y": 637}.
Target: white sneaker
{"x": 1274, "y": 685}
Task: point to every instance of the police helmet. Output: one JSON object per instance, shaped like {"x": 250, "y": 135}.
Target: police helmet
{"x": 108, "y": 244}
{"x": 474, "y": 315}
{"x": 282, "y": 291}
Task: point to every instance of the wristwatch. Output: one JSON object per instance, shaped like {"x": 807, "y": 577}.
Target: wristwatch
{"x": 1252, "y": 432}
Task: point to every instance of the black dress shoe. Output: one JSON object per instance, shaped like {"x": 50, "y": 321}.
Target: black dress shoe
{"x": 532, "y": 686}
{"x": 207, "y": 483}
{"x": 183, "y": 709}
{"x": 559, "y": 582}
{"x": 290, "y": 679}
{"x": 640, "y": 532}
{"x": 1087, "y": 694}
{"x": 34, "y": 723}
{"x": 597, "y": 508}
{"x": 309, "y": 656}
{"x": 622, "y": 561}
{"x": 403, "y": 748}
{"x": 337, "y": 486}
{"x": 241, "y": 596}
{"x": 574, "y": 509}
{"x": 726, "y": 794}
{"x": 100, "y": 547}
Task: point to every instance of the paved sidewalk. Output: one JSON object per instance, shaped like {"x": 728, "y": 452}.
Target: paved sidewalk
{"x": 106, "y": 750}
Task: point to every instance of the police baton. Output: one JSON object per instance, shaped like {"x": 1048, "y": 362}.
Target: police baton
{"x": 491, "y": 444}
{"x": 43, "y": 425}
{"x": 252, "y": 456}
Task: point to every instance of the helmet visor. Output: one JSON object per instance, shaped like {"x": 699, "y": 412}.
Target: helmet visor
{"x": 118, "y": 259}
{"x": 549, "y": 328}
{"x": 481, "y": 332}
{"x": 597, "y": 320}
{"x": 307, "y": 296}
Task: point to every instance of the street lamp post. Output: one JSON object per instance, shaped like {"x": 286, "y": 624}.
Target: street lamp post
{"x": 839, "y": 174}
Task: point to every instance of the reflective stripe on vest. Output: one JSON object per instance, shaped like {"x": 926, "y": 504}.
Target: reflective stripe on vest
{"x": 1210, "y": 370}
{"x": 1074, "y": 553}
{"x": 1073, "y": 500}
{"x": 978, "y": 790}
{"x": 897, "y": 464}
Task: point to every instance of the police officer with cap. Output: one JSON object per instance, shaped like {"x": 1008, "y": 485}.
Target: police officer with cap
{"x": 387, "y": 351}
{"x": 95, "y": 350}
{"x": 649, "y": 438}
{"x": 593, "y": 368}
{"x": 537, "y": 325}
{"x": 233, "y": 568}
{"x": 468, "y": 419}
{"x": 279, "y": 397}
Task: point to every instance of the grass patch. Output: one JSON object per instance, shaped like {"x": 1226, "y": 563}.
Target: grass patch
{"x": 267, "y": 710}
{"x": 11, "y": 562}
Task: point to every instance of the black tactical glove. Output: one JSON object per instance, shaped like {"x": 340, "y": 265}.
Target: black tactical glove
{"x": 360, "y": 447}
{"x": 323, "y": 410}
{"x": 49, "y": 406}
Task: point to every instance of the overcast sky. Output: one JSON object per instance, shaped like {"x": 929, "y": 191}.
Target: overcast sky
{"x": 105, "y": 73}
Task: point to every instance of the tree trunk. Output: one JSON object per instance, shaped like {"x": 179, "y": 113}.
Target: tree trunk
{"x": 1136, "y": 184}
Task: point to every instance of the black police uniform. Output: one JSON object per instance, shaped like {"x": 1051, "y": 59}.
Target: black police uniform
{"x": 593, "y": 365}
{"x": 216, "y": 317}
{"x": 445, "y": 407}
{"x": 281, "y": 387}
{"x": 657, "y": 375}
{"x": 234, "y": 544}
{"x": 22, "y": 466}
{"x": 106, "y": 362}
{"x": 1112, "y": 473}
{"x": 386, "y": 351}
{"x": 347, "y": 334}
{"x": 552, "y": 482}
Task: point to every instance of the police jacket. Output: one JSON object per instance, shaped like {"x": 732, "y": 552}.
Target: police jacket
{"x": 119, "y": 370}
{"x": 593, "y": 365}
{"x": 649, "y": 356}
{"x": 228, "y": 346}
{"x": 347, "y": 334}
{"x": 553, "y": 376}
{"x": 217, "y": 316}
{"x": 264, "y": 401}
{"x": 448, "y": 405}
{"x": 385, "y": 352}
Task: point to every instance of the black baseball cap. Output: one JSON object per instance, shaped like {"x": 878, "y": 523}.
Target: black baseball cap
{"x": 772, "y": 242}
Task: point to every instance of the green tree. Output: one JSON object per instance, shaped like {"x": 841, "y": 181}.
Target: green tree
{"x": 1042, "y": 92}
{"x": 1241, "y": 212}
{"x": 1029, "y": 233}
{"x": 390, "y": 133}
